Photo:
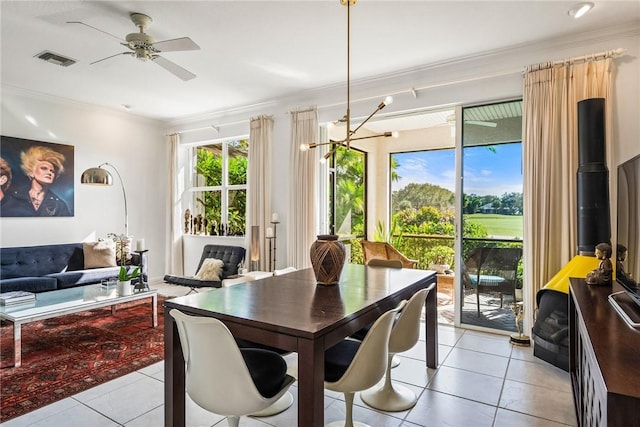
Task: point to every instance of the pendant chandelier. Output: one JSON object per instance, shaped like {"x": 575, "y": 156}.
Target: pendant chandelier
{"x": 350, "y": 134}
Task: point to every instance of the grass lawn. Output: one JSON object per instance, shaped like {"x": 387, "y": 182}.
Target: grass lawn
{"x": 499, "y": 225}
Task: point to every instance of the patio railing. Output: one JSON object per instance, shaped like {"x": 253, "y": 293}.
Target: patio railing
{"x": 422, "y": 248}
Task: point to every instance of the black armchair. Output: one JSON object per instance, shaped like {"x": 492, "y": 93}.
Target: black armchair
{"x": 231, "y": 257}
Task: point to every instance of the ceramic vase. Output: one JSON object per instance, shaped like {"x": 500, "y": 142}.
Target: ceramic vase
{"x": 327, "y": 258}
{"x": 124, "y": 288}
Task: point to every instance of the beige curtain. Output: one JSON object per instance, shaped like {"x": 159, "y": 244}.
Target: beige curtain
{"x": 259, "y": 183}
{"x": 175, "y": 184}
{"x": 550, "y": 154}
{"x": 303, "y": 204}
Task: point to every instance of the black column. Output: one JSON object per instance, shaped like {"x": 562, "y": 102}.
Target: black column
{"x": 594, "y": 224}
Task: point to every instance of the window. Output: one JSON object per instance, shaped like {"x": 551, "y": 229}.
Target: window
{"x": 219, "y": 192}
{"x": 422, "y": 205}
{"x": 347, "y": 192}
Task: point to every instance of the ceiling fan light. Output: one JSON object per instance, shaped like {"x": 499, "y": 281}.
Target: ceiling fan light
{"x": 581, "y": 9}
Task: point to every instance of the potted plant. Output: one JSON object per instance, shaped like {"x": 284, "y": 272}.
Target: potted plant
{"x": 124, "y": 279}
{"x": 440, "y": 258}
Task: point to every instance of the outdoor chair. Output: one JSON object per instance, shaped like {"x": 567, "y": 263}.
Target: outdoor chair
{"x": 383, "y": 250}
{"x": 491, "y": 271}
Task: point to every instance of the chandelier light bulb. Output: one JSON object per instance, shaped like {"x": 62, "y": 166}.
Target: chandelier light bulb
{"x": 304, "y": 147}
{"x": 323, "y": 161}
{"x": 395, "y": 134}
{"x": 388, "y": 100}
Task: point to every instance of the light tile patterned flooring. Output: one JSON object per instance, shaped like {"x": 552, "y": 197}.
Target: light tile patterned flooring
{"x": 481, "y": 381}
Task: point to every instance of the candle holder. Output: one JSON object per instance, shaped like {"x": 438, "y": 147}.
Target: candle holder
{"x": 272, "y": 246}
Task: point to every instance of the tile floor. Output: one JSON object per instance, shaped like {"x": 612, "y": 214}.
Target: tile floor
{"x": 481, "y": 381}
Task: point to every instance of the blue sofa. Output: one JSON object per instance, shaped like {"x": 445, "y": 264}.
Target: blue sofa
{"x": 50, "y": 267}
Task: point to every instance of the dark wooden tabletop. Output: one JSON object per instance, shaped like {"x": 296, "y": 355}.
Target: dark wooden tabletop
{"x": 293, "y": 303}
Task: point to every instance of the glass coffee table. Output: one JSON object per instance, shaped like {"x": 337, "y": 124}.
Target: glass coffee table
{"x": 67, "y": 301}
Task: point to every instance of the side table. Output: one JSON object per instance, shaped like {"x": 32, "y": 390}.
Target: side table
{"x": 446, "y": 285}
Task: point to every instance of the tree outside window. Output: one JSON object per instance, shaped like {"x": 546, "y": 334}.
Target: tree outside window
{"x": 220, "y": 186}
{"x": 348, "y": 192}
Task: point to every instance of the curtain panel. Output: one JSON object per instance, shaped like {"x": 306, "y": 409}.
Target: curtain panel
{"x": 550, "y": 162}
{"x": 303, "y": 201}
{"x": 176, "y": 185}
{"x": 259, "y": 183}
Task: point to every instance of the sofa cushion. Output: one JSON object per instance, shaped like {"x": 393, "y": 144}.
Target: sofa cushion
{"x": 99, "y": 254}
{"x": 29, "y": 284}
{"x": 192, "y": 282}
{"x": 40, "y": 260}
{"x": 70, "y": 279}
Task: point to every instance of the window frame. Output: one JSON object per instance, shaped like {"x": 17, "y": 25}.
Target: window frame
{"x": 225, "y": 188}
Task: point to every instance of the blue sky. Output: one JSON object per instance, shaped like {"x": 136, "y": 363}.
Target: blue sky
{"x": 485, "y": 172}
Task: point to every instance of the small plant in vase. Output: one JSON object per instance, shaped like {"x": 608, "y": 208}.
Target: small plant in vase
{"x": 125, "y": 276}
{"x": 441, "y": 258}
{"x": 124, "y": 279}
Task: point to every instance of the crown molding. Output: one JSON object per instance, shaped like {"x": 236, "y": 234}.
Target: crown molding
{"x": 437, "y": 73}
{"x": 87, "y": 106}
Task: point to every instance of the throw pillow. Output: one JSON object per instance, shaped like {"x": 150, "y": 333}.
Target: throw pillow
{"x": 99, "y": 254}
{"x": 210, "y": 269}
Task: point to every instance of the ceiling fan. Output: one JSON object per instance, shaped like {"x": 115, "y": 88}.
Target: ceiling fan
{"x": 143, "y": 47}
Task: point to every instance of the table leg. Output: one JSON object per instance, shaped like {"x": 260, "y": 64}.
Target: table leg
{"x": 154, "y": 307}
{"x": 174, "y": 375}
{"x": 431, "y": 327}
{"x": 17, "y": 345}
{"x": 310, "y": 383}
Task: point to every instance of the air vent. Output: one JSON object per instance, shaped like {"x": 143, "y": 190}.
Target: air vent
{"x": 55, "y": 58}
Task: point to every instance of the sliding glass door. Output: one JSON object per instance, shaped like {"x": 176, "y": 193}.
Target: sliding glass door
{"x": 490, "y": 259}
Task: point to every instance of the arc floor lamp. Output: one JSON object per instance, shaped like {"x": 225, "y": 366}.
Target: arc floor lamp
{"x": 101, "y": 176}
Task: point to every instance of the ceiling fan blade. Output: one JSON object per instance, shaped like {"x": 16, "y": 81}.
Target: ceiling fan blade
{"x": 112, "y": 56}
{"x": 97, "y": 29}
{"x": 481, "y": 123}
{"x": 174, "y": 45}
{"x": 173, "y": 68}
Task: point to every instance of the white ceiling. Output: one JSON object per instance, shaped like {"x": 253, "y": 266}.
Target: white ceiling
{"x": 256, "y": 51}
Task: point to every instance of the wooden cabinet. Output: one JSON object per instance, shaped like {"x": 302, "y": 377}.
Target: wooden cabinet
{"x": 604, "y": 359}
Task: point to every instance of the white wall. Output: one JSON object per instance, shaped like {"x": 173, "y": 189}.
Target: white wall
{"x": 135, "y": 146}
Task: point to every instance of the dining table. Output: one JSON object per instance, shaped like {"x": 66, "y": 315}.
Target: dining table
{"x": 293, "y": 313}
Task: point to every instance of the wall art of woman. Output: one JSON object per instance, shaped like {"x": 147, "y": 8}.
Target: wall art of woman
{"x": 42, "y": 165}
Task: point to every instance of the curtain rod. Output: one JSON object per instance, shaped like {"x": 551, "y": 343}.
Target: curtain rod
{"x": 591, "y": 57}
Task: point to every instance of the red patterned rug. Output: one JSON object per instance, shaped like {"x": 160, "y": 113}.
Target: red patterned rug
{"x": 69, "y": 354}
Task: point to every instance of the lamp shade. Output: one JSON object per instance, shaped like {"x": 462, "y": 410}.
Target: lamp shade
{"x": 96, "y": 176}
{"x": 102, "y": 177}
